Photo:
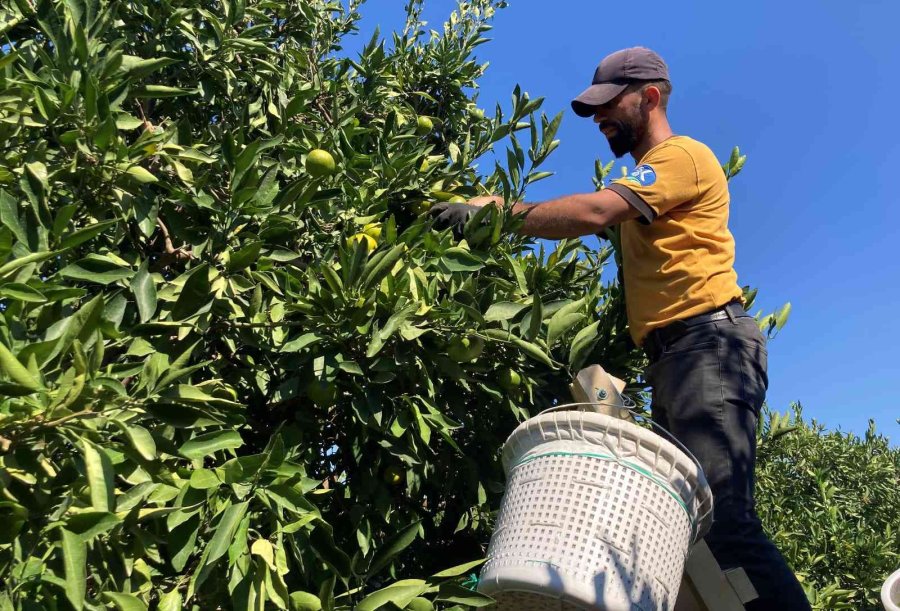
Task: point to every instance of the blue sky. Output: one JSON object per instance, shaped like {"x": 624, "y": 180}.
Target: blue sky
{"x": 809, "y": 91}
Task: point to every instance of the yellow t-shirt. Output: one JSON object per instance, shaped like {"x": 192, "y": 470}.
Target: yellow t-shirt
{"x": 678, "y": 258}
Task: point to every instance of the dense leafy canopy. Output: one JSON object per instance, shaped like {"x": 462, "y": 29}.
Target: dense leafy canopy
{"x": 831, "y": 502}
{"x": 238, "y": 367}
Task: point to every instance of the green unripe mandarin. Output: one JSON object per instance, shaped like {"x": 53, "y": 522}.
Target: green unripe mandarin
{"x": 321, "y": 393}
{"x": 373, "y": 230}
{"x": 443, "y": 196}
{"x": 457, "y": 199}
{"x": 421, "y": 207}
{"x": 509, "y": 378}
{"x": 371, "y": 243}
{"x": 424, "y": 125}
{"x": 393, "y": 475}
{"x": 320, "y": 163}
{"x": 420, "y": 604}
{"x": 465, "y": 349}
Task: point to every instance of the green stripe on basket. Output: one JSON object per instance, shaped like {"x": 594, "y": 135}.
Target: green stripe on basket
{"x": 626, "y": 463}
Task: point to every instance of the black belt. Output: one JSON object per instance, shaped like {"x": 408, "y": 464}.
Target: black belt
{"x": 659, "y": 338}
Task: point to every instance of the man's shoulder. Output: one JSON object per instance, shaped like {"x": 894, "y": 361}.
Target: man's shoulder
{"x": 696, "y": 149}
{"x": 703, "y": 158}
{"x": 692, "y": 147}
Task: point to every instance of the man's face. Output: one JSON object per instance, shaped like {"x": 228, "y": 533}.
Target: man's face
{"x": 623, "y": 122}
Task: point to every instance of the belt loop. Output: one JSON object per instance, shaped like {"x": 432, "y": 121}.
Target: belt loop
{"x": 729, "y": 314}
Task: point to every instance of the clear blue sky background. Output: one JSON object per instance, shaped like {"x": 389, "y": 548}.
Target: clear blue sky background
{"x": 809, "y": 90}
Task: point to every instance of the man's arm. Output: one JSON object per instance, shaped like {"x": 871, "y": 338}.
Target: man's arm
{"x": 571, "y": 216}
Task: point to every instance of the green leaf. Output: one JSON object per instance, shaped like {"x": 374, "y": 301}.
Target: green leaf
{"x": 504, "y": 310}
{"x": 182, "y": 540}
{"x": 22, "y": 292}
{"x": 456, "y": 259}
{"x": 582, "y": 344}
{"x": 454, "y": 593}
{"x": 126, "y": 122}
{"x": 80, "y": 326}
{"x": 560, "y": 323}
{"x": 100, "y": 475}
{"x": 142, "y": 175}
{"x": 16, "y": 371}
{"x": 161, "y": 91}
{"x": 204, "y": 445}
{"x": 204, "y": 479}
{"x": 21, "y": 262}
{"x": 36, "y": 172}
{"x": 537, "y": 316}
{"x": 304, "y": 601}
{"x": 195, "y": 294}
{"x": 89, "y": 524}
{"x": 85, "y": 233}
{"x": 534, "y": 351}
{"x": 170, "y": 601}
{"x": 781, "y": 317}
{"x": 460, "y": 569}
{"x": 125, "y": 602}
{"x": 96, "y": 268}
{"x": 12, "y": 518}
{"x": 399, "y": 594}
{"x": 138, "y": 67}
{"x": 144, "y": 290}
{"x": 195, "y": 155}
{"x": 381, "y": 264}
{"x": 265, "y": 550}
{"x": 75, "y": 566}
{"x": 244, "y": 257}
{"x": 141, "y": 440}
{"x": 9, "y": 216}
{"x": 531, "y": 350}
{"x": 225, "y": 530}
{"x": 394, "y": 546}
{"x": 324, "y": 547}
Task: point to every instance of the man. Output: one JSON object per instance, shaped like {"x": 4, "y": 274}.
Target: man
{"x": 707, "y": 356}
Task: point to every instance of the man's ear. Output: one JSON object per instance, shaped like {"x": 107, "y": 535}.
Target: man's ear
{"x": 651, "y": 96}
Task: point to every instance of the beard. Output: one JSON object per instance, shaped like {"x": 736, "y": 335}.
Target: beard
{"x": 629, "y": 132}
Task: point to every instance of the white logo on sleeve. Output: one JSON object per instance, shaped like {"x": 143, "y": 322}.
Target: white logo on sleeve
{"x": 643, "y": 175}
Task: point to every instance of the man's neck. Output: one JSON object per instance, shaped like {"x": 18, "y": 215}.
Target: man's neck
{"x": 656, "y": 133}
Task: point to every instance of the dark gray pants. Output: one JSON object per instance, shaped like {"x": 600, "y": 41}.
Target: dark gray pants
{"x": 709, "y": 384}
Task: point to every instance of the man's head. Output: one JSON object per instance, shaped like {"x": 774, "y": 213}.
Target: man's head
{"x": 629, "y": 88}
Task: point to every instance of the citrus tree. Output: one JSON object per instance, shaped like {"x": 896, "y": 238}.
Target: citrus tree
{"x": 239, "y": 367}
{"x": 831, "y": 502}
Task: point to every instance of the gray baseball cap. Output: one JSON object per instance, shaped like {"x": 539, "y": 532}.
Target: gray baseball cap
{"x": 615, "y": 73}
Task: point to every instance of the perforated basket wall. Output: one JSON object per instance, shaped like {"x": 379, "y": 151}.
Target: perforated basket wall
{"x": 599, "y": 513}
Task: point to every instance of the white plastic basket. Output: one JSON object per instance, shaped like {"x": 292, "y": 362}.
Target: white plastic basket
{"x": 890, "y": 592}
{"x": 599, "y": 513}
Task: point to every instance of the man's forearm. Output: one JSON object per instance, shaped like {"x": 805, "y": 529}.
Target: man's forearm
{"x": 571, "y": 216}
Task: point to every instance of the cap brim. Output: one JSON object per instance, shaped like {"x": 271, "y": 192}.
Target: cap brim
{"x": 585, "y": 105}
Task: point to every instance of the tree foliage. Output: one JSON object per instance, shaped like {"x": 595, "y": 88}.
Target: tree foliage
{"x": 831, "y": 502}
{"x": 232, "y": 375}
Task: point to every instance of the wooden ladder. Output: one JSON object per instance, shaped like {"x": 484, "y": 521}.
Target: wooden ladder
{"x": 706, "y": 587}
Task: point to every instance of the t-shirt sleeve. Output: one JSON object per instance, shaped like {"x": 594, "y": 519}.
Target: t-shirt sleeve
{"x": 665, "y": 179}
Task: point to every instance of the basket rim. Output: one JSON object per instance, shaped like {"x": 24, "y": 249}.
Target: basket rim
{"x": 514, "y": 455}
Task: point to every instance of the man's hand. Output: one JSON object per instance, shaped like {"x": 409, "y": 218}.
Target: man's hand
{"x": 484, "y": 200}
{"x": 454, "y": 216}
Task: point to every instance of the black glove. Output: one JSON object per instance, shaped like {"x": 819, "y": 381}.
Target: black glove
{"x": 454, "y": 216}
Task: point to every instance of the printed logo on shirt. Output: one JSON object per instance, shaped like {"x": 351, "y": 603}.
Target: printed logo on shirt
{"x": 643, "y": 175}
